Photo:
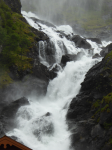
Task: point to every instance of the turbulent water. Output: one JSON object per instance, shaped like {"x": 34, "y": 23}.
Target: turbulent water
{"x": 42, "y": 124}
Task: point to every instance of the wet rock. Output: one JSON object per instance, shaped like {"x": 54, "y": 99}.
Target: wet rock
{"x": 54, "y": 70}
{"x": 81, "y": 42}
{"x": 69, "y": 57}
{"x": 103, "y": 52}
{"x": 97, "y": 130}
{"x": 41, "y": 72}
{"x": 106, "y": 50}
{"x": 96, "y": 40}
{"x": 65, "y": 59}
{"x": 96, "y": 56}
{"x": 9, "y": 112}
{"x": 48, "y": 114}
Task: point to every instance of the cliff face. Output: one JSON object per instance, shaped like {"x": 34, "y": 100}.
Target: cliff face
{"x": 15, "y": 5}
{"x": 90, "y": 112}
{"x": 19, "y": 52}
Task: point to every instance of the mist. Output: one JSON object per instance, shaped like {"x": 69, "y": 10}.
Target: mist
{"x": 64, "y": 11}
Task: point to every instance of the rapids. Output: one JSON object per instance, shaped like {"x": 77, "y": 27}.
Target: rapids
{"x": 42, "y": 124}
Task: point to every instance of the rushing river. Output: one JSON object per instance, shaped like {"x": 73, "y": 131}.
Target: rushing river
{"x": 42, "y": 124}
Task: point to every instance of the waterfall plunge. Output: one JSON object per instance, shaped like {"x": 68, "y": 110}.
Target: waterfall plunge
{"x": 42, "y": 124}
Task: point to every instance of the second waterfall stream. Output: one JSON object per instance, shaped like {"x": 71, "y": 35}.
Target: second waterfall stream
{"x": 42, "y": 125}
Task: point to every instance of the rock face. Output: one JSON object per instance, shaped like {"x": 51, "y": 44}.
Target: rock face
{"x": 96, "y": 56}
{"x": 106, "y": 50}
{"x": 96, "y": 40}
{"x": 81, "y": 42}
{"x": 69, "y": 57}
{"x": 90, "y": 112}
{"x": 8, "y": 112}
{"x": 15, "y": 5}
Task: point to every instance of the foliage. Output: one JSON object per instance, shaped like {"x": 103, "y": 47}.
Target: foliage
{"x": 4, "y": 77}
{"x": 15, "y": 37}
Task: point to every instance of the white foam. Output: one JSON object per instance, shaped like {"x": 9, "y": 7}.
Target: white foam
{"x": 60, "y": 92}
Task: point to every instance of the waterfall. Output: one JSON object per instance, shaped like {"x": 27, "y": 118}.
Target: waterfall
{"x": 42, "y": 124}
{"x": 42, "y": 49}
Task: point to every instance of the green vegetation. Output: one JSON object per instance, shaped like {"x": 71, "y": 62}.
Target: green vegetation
{"x": 4, "y": 77}
{"x": 15, "y": 37}
{"x": 96, "y": 104}
{"x": 107, "y": 125}
{"x": 102, "y": 106}
{"x": 108, "y": 58}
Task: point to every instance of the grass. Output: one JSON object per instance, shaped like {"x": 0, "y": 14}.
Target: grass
{"x": 4, "y": 77}
{"x": 16, "y": 39}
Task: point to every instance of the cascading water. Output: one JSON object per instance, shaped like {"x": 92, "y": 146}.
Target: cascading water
{"x": 42, "y": 124}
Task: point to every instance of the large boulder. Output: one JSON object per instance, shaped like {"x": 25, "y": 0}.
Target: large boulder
{"x": 96, "y": 40}
{"x": 71, "y": 57}
{"x": 15, "y": 5}
{"x": 96, "y": 56}
{"x": 10, "y": 110}
{"x": 8, "y": 113}
{"x": 54, "y": 69}
{"x": 81, "y": 42}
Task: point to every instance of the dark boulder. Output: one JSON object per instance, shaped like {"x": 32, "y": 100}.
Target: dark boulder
{"x": 96, "y": 56}
{"x": 15, "y": 5}
{"x": 103, "y": 52}
{"x": 41, "y": 72}
{"x": 9, "y": 112}
{"x": 54, "y": 70}
{"x": 80, "y": 42}
{"x": 66, "y": 58}
{"x": 69, "y": 57}
{"x": 96, "y": 40}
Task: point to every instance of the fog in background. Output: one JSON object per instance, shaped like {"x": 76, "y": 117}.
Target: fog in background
{"x": 59, "y": 11}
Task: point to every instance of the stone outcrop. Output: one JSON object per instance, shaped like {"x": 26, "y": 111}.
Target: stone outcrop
{"x": 69, "y": 57}
{"x": 96, "y": 40}
{"x": 8, "y": 112}
{"x": 81, "y": 42}
{"x": 96, "y": 56}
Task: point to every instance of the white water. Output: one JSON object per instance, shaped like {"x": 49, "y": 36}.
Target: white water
{"x": 41, "y": 131}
